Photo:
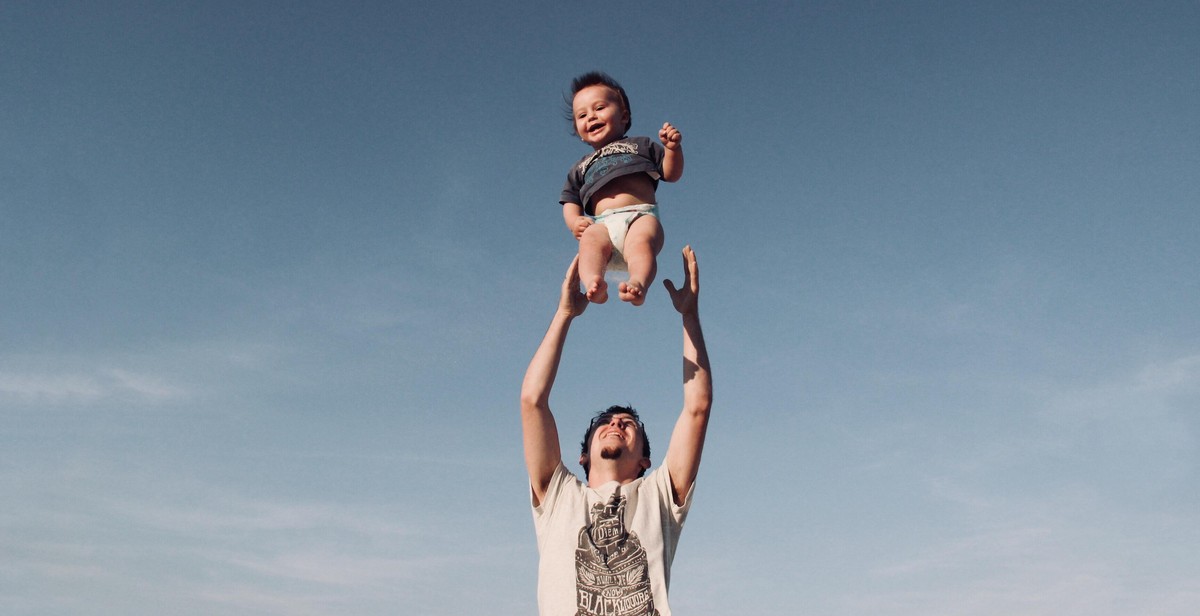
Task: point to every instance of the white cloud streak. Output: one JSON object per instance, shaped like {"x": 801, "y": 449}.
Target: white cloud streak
{"x": 1077, "y": 511}
{"x": 195, "y": 549}
{"x": 91, "y": 387}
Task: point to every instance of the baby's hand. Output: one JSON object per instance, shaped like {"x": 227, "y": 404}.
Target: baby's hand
{"x": 669, "y": 136}
{"x": 581, "y": 224}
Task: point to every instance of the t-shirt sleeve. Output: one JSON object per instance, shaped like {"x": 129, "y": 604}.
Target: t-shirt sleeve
{"x": 666, "y": 491}
{"x": 558, "y": 479}
{"x": 570, "y": 189}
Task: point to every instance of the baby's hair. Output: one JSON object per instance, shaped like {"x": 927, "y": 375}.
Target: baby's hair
{"x": 594, "y": 78}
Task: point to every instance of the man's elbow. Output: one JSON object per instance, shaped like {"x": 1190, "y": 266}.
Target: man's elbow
{"x": 699, "y": 406}
{"x": 532, "y": 402}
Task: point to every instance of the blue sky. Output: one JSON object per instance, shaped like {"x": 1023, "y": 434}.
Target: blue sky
{"x": 270, "y": 274}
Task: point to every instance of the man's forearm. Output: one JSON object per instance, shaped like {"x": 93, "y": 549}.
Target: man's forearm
{"x": 543, "y": 368}
{"x": 697, "y": 376}
{"x": 687, "y": 440}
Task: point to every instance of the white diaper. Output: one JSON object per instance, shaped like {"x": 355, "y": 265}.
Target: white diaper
{"x": 618, "y": 221}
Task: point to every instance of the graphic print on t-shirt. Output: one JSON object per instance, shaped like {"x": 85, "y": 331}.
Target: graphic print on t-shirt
{"x": 604, "y": 166}
{"x": 610, "y": 565}
{"x": 614, "y": 156}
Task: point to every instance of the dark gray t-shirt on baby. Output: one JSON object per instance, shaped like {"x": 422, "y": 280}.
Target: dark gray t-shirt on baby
{"x": 622, "y": 157}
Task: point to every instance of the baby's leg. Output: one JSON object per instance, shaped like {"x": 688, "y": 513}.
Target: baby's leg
{"x": 594, "y": 251}
{"x": 642, "y": 243}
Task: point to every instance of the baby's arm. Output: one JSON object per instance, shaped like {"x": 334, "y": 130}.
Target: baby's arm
{"x": 672, "y": 142}
{"x": 576, "y": 221}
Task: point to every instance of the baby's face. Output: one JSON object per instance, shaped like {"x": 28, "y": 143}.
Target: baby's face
{"x": 599, "y": 116}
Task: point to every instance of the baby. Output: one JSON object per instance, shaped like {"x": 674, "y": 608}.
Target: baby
{"x": 608, "y": 200}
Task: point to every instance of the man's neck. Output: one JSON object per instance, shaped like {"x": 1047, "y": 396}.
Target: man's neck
{"x": 600, "y": 476}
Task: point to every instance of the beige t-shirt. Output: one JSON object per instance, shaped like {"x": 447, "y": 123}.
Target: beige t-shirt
{"x": 607, "y": 551}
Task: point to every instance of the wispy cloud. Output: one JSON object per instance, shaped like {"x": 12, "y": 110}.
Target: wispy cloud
{"x": 189, "y": 545}
{"x": 988, "y": 549}
{"x": 154, "y": 376}
{"x": 1056, "y": 568}
{"x": 86, "y": 387}
{"x": 225, "y": 513}
{"x": 1061, "y": 510}
{"x": 1150, "y": 410}
{"x": 1178, "y": 376}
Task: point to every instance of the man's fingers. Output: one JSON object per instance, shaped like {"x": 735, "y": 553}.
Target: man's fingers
{"x": 691, "y": 266}
{"x": 573, "y": 272}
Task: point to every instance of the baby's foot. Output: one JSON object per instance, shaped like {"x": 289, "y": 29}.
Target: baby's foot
{"x": 597, "y": 292}
{"x": 632, "y": 292}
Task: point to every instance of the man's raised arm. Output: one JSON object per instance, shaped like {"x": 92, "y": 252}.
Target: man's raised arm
{"x": 687, "y": 440}
{"x": 542, "y": 452}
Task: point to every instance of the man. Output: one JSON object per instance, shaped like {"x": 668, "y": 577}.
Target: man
{"x": 606, "y": 545}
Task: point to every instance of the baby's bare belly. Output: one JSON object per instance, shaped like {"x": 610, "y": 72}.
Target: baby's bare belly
{"x": 624, "y": 191}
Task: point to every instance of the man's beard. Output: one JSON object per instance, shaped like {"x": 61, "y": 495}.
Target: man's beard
{"x": 611, "y": 453}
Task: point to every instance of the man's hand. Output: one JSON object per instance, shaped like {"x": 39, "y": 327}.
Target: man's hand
{"x": 685, "y": 299}
{"x": 572, "y": 303}
{"x": 669, "y": 136}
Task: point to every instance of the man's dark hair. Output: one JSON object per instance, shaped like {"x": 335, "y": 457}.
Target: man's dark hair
{"x": 602, "y": 418}
{"x": 595, "y": 78}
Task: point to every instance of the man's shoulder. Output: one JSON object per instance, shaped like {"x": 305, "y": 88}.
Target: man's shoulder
{"x": 564, "y": 480}
{"x": 658, "y": 477}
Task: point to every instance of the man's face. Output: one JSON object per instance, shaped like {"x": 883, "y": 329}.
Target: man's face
{"x": 618, "y": 437}
{"x": 600, "y": 118}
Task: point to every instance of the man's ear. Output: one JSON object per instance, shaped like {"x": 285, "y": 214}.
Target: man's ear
{"x": 644, "y": 463}
{"x": 583, "y": 459}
